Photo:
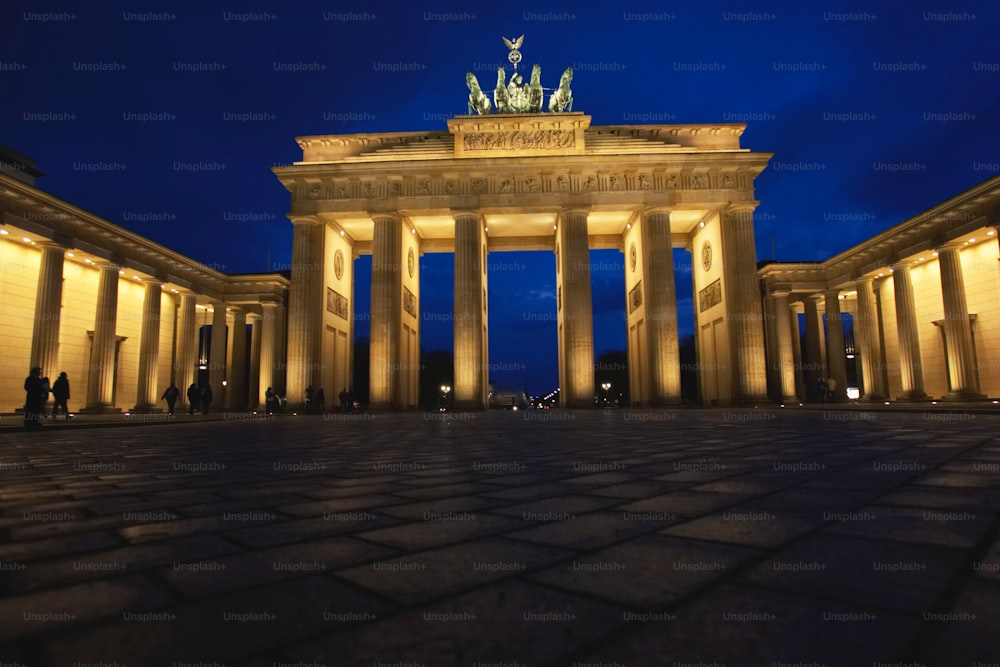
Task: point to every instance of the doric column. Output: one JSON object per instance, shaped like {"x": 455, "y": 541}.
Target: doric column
{"x": 575, "y": 310}
{"x": 835, "y": 353}
{"x": 786, "y": 353}
{"x": 236, "y": 390}
{"x": 796, "y": 331}
{"x": 386, "y": 311}
{"x": 305, "y": 309}
{"x": 268, "y": 344}
{"x": 101, "y": 380}
{"x": 958, "y": 330}
{"x": 910, "y": 369}
{"x": 48, "y": 309}
{"x": 471, "y": 375}
{"x": 815, "y": 367}
{"x": 253, "y": 380}
{"x": 149, "y": 349}
{"x": 187, "y": 345}
{"x": 744, "y": 312}
{"x": 660, "y": 297}
{"x": 866, "y": 333}
{"x": 217, "y": 351}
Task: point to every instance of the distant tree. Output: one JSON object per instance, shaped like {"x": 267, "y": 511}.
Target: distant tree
{"x": 437, "y": 367}
{"x": 689, "y": 370}
{"x": 360, "y": 377}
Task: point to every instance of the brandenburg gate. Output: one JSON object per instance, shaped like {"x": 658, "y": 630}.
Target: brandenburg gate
{"x": 527, "y": 179}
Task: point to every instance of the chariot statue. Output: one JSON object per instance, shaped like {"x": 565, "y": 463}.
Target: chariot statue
{"x": 516, "y": 96}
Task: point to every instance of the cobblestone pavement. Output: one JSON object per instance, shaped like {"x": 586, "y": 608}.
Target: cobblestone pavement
{"x": 706, "y": 537}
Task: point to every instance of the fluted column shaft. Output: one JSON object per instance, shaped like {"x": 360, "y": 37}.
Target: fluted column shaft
{"x": 149, "y": 348}
{"x": 386, "y": 312}
{"x": 253, "y": 380}
{"x": 835, "y": 352}
{"x": 814, "y": 351}
{"x": 744, "y": 311}
{"x": 661, "y": 308}
{"x": 910, "y": 370}
{"x": 187, "y": 345}
{"x": 796, "y": 340}
{"x": 305, "y": 309}
{"x": 48, "y": 310}
{"x": 786, "y": 355}
{"x": 470, "y": 313}
{"x": 101, "y": 379}
{"x": 576, "y": 317}
{"x": 869, "y": 341}
{"x": 236, "y": 390}
{"x": 958, "y": 329}
{"x": 268, "y": 343}
{"x": 217, "y": 352}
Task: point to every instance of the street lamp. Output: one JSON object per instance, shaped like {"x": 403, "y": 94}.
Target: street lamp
{"x": 445, "y": 390}
{"x": 605, "y": 386}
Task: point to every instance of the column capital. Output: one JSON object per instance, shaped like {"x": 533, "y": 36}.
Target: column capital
{"x": 740, "y": 207}
{"x": 655, "y": 210}
{"x": 391, "y": 216}
{"x": 269, "y": 301}
{"x": 573, "y": 210}
{"x": 297, "y": 219}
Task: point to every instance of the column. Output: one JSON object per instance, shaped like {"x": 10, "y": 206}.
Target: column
{"x": 786, "y": 355}
{"x": 253, "y": 380}
{"x": 795, "y": 334}
{"x": 814, "y": 351}
{"x": 866, "y": 333}
{"x": 101, "y": 378}
{"x": 236, "y": 390}
{"x": 910, "y": 370}
{"x": 962, "y": 375}
{"x": 575, "y": 310}
{"x": 660, "y": 296}
{"x": 305, "y": 309}
{"x": 217, "y": 352}
{"x": 48, "y": 310}
{"x": 149, "y": 349}
{"x": 835, "y": 353}
{"x": 386, "y": 308}
{"x": 187, "y": 345}
{"x": 268, "y": 344}
{"x": 471, "y": 376}
{"x": 744, "y": 312}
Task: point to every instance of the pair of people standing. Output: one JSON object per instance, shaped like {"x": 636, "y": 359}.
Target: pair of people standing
{"x": 36, "y": 395}
{"x": 198, "y": 398}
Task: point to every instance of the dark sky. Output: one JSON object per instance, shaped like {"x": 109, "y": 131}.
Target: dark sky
{"x": 874, "y": 112}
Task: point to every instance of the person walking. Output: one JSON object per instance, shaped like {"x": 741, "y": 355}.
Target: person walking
{"x": 206, "y": 398}
{"x": 60, "y": 392}
{"x": 343, "y": 399}
{"x": 320, "y": 401}
{"x": 35, "y": 396}
{"x": 194, "y": 398}
{"x": 270, "y": 400}
{"x": 170, "y": 396}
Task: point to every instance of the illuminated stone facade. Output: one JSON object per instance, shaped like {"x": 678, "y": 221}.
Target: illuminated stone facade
{"x": 923, "y": 297}
{"x": 531, "y": 182}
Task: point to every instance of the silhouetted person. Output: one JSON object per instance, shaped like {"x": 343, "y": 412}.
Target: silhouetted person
{"x": 206, "y": 398}
{"x": 270, "y": 401}
{"x": 194, "y": 398}
{"x": 821, "y": 389}
{"x": 320, "y": 401}
{"x": 60, "y": 392}
{"x": 309, "y": 399}
{"x": 35, "y": 395}
{"x": 170, "y": 396}
{"x": 344, "y": 397}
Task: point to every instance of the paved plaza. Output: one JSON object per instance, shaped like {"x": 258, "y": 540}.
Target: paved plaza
{"x": 763, "y": 537}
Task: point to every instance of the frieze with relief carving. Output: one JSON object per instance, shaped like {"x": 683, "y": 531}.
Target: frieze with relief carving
{"x": 519, "y": 140}
{"x": 409, "y": 302}
{"x": 709, "y": 296}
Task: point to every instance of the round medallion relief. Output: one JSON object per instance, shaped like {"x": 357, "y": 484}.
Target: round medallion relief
{"x": 410, "y": 262}
{"x": 632, "y": 256}
{"x": 338, "y": 264}
{"x": 706, "y": 255}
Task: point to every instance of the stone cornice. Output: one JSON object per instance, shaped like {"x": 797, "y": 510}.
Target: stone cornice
{"x": 38, "y": 212}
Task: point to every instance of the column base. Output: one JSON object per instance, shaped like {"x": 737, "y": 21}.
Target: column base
{"x": 100, "y": 410}
{"x": 146, "y": 410}
{"x": 914, "y": 397}
{"x": 964, "y": 396}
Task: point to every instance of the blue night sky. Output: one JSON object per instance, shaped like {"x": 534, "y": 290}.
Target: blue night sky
{"x": 874, "y": 112}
